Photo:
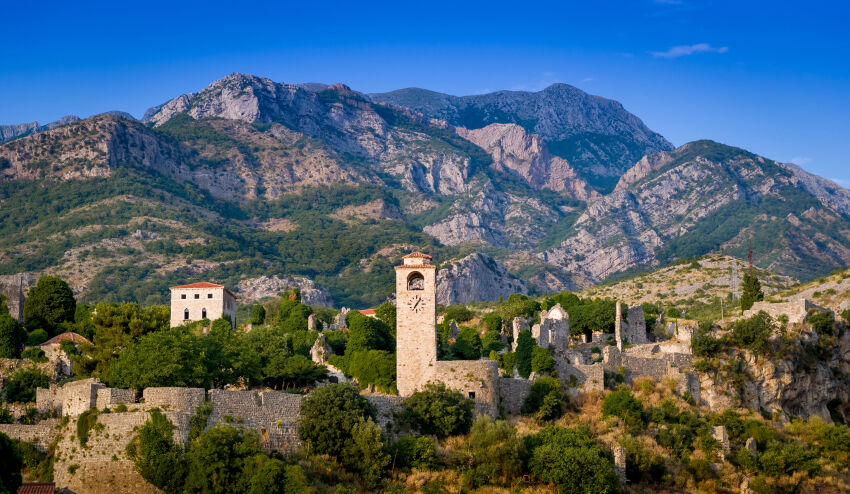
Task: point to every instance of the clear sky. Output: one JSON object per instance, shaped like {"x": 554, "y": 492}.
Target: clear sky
{"x": 771, "y": 77}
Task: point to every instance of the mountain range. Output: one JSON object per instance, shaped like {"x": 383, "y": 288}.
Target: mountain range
{"x": 555, "y": 190}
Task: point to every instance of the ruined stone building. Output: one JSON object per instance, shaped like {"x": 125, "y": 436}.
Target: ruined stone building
{"x": 199, "y": 301}
{"x": 12, "y": 287}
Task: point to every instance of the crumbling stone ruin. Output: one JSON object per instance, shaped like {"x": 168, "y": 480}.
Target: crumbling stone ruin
{"x": 553, "y": 328}
{"x": 321, "y": 350}
{"x": 339, "y": 321}
{"x": 13, "y": 288}
{"x": 632, "y": 330}
{"x": 796, "y": 310}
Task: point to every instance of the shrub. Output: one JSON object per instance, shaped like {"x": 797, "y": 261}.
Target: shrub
{"x": 85, "y": 423}
{"x": 295, "y": 371}
{"x": 155, "y": 455}
{"x": 457, "y": 313}
{"x": 751, "y": 291}
{"x": 37, "y": 337}
{"x": 496, "y": 451}
{"x": 21, "y": 387}
{"x": 641, "y": 464}
{"x": 703, "y": 343}
{"x": 374, "y": 368}
{"x": 845, "y": 314}
{"x": 540, "y": 388}
{"x": 572, "y": 460}
{"x": 674, "y": 312}
{"x": 823, "y": 321}
{"x": 414, "y": 452}
{"x": 328, "y": 415}
{"x": 467, "y": 346}
{"x": 6, "y": 416}
{"x": 35, "y": 354}
{"x": 524, "y": 353}
{"x": 220, "y": 459}
{"x": 366, "y": 453}
{"x": 10, "y": 465}
{"x": 491, "y": 342}
{"x": 623, "y": 404}
{"x": 753, "y": 333}
{"x": 438, "y": 411}
{"x": 541, "y": 360}
{"x": 492, "y": 322}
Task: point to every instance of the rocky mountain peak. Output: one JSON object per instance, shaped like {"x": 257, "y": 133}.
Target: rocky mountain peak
{"x": 476, "y": 277}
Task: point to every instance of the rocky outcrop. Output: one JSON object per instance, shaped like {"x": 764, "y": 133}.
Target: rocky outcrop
{"x": 796, "y": 386}
{"x": 255, "y": 289}
{"x": 9, "y": 132}
{"x": 476, "y": 277}
{"x": 524, "y": 154}
{"x": 596, "y": 135}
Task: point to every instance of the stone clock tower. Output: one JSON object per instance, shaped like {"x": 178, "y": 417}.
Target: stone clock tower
{"x": 416, "y": 322}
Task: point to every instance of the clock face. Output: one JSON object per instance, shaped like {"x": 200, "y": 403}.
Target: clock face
{"x": 416, "y": 304}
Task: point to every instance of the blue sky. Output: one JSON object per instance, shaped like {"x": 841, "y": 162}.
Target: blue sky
{"x": 771, "y": 77}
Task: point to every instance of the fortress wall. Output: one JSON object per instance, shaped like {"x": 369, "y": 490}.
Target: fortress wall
{"x": 110, "y": 397}
{"x": 103, "y": 465}
{"x": 796, "y": 310}
{"x": 41, "y": 434}
{"x": 273, "y": 414}
{"x": 476, "y": 379}
{"x": 386, "y": 406}
{"x": 512, "y": 393}
{"x": 174, "y": 399}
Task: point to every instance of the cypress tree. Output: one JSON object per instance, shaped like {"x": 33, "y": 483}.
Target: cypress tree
{"x": 752, "y": 291}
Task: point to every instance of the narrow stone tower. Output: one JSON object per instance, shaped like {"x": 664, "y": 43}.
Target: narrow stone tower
{"x": 416, "y": 322}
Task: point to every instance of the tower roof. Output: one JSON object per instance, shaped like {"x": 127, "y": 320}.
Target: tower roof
{"x": 417, "y": 254}
{"x": 203, "y": 284}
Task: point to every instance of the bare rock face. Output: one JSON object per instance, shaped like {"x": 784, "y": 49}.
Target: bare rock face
{"x": 526, "y": 155}
{"x": 476, "y": 277}
{"x": 254, "y": 289}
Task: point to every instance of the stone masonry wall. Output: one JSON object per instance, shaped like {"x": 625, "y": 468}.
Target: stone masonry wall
{"x": 110, "y": 397}
{"x": 174, "y": 399}
{"x": 476, "y": 379}
{"x": 273, "y": 414}
{"x": 41, "y": 434}
{"x": 512, "y": 393}
{"x": 796, "y": 310}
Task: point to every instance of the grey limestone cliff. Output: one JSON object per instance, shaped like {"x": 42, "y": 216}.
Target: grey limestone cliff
{"x": 476, "y": 277}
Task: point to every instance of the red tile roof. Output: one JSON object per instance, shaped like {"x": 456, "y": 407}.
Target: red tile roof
{"x": 367, "y": 312}
{"x": 417, "y": 254}
{"x": 202, "y": 284}
{"x": 37, "y": 488}
{"x": 74, "y": 337}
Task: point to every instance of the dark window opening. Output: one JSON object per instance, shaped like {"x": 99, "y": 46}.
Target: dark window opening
{"x": 197, "y": 295}
{"x": 203, "y": 313}
{"x": 185, "y": 314}
{"x": 415, "y": 281}
{"x": 209, "y": 295}
{"x": 183, "y": 296}
{"x": 472, "y": 394}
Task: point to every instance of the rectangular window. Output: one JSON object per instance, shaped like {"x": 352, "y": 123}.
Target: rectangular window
{"x": 472, "y": 394}
{"x": 209, "y": 295}
{"x": 183, "y": 296}
{"x": 197, "y": 295}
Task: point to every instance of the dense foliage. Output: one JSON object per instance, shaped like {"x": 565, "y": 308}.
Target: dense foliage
{"x": 437, "y": 410}
{"x": 751, "y": 292}
{"x": 328, "y": 416}
{"x": 49, "y": 303}
{"x": 20, "y": 388}
{"x": 10, "y": 466}
{"x": 573, "y": 461}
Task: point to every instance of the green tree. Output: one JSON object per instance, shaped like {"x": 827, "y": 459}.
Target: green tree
{"x": 518, "y": 305}
{"x": 438, "y": 410}
{"x": 12, "y": 337}
{"x": 366, "y": 453}
{"x": 540, "y": 388}
{"x": 37, "y": 337}
{"x": 457, "y": 313}
{"x": 367, "y": 333}
{"x": 218, "y": 459}
{"x": 414, "y": 452}
{"x": 541, "y": 360}
{"x": 753, "y": 333}
{"x": 491, "y": 342}
{"x": 573, "y": 461}
{"x": 623, "y": 404}
{"x": 524, "y": 353}
{"x": 492, "y": 322}
{"x": 49, "y": 303}
{"x": 467, "y": 346}
{"x": 374, "y": 368}
{"x": 155, "y": 455}
{"x": 10, "y": 466}
{"x": 329, "y": 414}
{"x": 386, "y": 313}
{"x": 20, "y": 388}
{"x": 295, "y": 371}
{"x": 497, "y": 453}
{"x": 751, "y": 291}
{"x": 258, "y": 314}
{"x": 172, "y": 357}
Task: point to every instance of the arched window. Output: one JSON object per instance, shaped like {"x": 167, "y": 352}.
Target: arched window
{"x": 415, "y": 281}
{"x": 185, "y": 314}
{"x": 203, "y": 313}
